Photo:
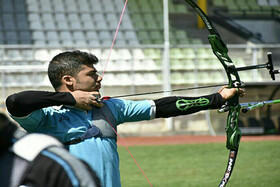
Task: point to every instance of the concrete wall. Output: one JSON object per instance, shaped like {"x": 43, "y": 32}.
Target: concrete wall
{"x": 269, "y": 29}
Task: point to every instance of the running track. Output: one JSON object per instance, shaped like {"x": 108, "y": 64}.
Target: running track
{"x": 188, "y": 139}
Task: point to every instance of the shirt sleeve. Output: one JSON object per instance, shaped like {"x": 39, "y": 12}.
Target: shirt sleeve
{"x": 32, "y": 121}
{"x": 131, "y": 111}
{"x": 23, "y": 103}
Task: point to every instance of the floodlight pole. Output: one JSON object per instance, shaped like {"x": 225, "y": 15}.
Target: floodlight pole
{"x": 165, "y": 60}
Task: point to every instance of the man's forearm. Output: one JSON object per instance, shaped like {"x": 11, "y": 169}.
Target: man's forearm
{"x": 175, "y": 106}
{"x": 23, "y": 103}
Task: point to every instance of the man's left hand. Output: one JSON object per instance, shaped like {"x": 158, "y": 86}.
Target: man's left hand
{"x": 228, "y": 93}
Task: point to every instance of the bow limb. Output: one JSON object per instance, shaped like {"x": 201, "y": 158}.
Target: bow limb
{"x": 232, "y": 106}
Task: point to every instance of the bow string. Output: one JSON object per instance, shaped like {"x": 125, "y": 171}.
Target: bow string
{"x": 104, "y": 70}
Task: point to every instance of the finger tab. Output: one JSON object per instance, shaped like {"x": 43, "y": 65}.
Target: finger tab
{"x": 106, "y": 98}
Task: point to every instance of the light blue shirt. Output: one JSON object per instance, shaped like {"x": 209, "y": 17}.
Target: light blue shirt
{"x": 66, "y": 123}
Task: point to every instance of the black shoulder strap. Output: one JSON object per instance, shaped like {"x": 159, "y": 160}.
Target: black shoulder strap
{"x": 109, "y": 115}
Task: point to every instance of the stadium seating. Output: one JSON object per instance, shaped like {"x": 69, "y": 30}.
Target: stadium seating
{"x": 67, "y": 22}
{"x": 269, "y": 126}
{"x": 14, "y": 24}
{"x": 255, "y": 126}
{"x": 45, "y": 22}
{"x": 34, "y": 31}
{"x": 53, "y": 26}
{"x": 248, "y": 5}
{"x": 249, "y": 130}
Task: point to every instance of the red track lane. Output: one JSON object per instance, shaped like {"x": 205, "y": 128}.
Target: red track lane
{"x": 189, "y": 139}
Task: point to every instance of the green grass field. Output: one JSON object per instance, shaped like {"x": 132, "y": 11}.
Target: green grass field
{"x": 257, "y": 165}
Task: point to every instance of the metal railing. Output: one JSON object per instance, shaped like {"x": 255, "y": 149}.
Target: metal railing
{"x": 25, "y": 67}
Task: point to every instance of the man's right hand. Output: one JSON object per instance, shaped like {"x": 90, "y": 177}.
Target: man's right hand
{"x": 86, "y": 100}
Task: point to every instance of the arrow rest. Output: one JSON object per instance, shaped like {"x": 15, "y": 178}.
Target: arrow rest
{"x": 224, "y": 108}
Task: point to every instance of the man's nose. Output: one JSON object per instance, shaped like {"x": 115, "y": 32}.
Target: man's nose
{"x": 100, "y": 78}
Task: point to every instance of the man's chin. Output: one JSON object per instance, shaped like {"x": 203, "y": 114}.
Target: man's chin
{"x": 96, "y": 89}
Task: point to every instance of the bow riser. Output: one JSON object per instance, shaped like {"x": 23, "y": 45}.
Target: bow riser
{"x": 221, "y": 51}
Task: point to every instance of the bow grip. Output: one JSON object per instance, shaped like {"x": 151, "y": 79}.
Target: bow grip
{"x": 233, "y": 138}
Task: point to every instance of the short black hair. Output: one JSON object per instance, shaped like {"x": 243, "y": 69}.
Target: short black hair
{"x": 4, "y": 120}
{"x": 68, "y": 63}
{"x": 7, "y": 130}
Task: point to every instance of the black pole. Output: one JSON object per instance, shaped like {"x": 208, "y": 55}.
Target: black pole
{"x": 252, "y": 67}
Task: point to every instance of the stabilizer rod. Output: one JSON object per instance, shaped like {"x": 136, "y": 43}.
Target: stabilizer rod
{"x": 246, "y": 107}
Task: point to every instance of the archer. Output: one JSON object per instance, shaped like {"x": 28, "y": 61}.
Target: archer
{"x": 86, "y": 124}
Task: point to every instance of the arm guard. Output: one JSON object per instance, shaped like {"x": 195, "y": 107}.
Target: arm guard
{"x": 175, "y": 106}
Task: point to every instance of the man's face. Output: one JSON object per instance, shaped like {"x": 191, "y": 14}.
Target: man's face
{"x": 87, "y": 79}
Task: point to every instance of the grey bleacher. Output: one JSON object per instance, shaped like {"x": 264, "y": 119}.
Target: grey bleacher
{"x": 248, "y": 5}
{"x": 271, "y": 3}
{"x": 83, "y": 22}
{"x": 14, "y": 28}
{"x": 56, "y": 25}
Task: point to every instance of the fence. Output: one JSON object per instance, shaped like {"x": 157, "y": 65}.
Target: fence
{"x": 137, "y": 69}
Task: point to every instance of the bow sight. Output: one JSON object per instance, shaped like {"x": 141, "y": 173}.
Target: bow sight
{"x": 268, "y": 65}
{"x": 272, "y": 72}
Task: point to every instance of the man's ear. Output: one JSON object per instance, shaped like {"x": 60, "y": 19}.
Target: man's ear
{"x": 67, "y": 80}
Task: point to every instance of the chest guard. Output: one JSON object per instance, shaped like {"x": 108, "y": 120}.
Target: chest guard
{"x": 104, "y": 120}
{"x": 102, "y": 123}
